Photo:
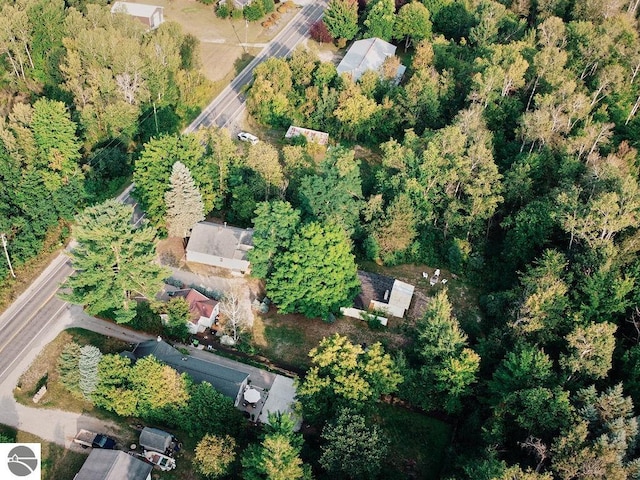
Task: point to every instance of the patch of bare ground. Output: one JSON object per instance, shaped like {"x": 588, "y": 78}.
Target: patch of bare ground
{"x": 289, "y": 337}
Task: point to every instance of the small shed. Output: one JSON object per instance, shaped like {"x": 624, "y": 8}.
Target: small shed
{"x": 321, "y": 138}
{"x": 104, "y": 464}
{"x": 220, "y": 245}
{"x": 150, "y": 15}
{"x": 368, "y": 54}
{"x": 155, "y": 439}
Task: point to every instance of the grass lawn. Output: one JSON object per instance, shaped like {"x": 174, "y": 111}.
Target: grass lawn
{"x": 418, "y": 443}
{"x": 45, "y": 366}
{"x": 57, "y": 462}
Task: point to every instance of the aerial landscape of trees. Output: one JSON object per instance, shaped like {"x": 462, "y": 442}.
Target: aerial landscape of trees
{"x": 507, "y": 155}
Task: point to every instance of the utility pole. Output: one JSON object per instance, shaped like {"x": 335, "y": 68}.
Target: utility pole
{"x": 6, "y": 254}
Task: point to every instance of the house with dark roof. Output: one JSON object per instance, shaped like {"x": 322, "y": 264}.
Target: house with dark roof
{"x": 220, "y": 245}
{"x": 368, "y": 54}
{"x": 379, "y": 293}
{"x": 104, "y": 464}
{"x": 150, "y": 15}
{"x": 203, "y": 309}
{"x": 226, "y": 380}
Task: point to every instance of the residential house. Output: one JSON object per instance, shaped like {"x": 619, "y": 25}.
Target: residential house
{"x": 382, "y": 294}
{"x": 203, "y": 309}
{"x": 150, "y": 15}
{"x": 368, "y": 54}
{"x": 102, "y": 464}
{"x": 155, "y": 439}
{"x": 220, "y": 245}
{"x": 228, "y": 381}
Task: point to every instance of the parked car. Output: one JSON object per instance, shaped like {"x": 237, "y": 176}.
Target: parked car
{"x": 248, "y": 137}
{"x": 87, "y": 439}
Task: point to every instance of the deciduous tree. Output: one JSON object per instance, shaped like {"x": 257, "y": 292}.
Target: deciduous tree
{"x": 341, "y": 18}
{"x": 345, "y": 375}
{"x": 214, "y": 455}
{"x": 317, "y": 275}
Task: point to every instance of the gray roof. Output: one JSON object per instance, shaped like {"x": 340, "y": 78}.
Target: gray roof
{"x": 372, "y": 287}
{"x": 135, "y": 9}
{"x": 367, "y": 54}
{"x": 113, "y": 465}
{"x": 155, "y": 439}
{"x": 224, "y": 379}
{"x": 221, "y": 240}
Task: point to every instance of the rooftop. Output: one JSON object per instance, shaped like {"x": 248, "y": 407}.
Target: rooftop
{"x": 224, "y": 379}
{"x": 367, "y": 54}
{"x": 221, "y": 240}
{"x": 104, "y": 464}
{"x": 134, "y": 9}
{"x": 199, "y": 304}
{"x": 155, "y": 439}
{"x": 372, "y": 287}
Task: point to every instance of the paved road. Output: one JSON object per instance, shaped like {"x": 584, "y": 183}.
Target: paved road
{"x": 225, "y": 110}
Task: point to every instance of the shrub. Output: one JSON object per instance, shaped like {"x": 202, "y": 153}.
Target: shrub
{"x": 275, "y": 16}
{"x": 223, "y": 11}
{"x": 320, "y": 33}
{"x": 267, "y": 23}
{"x": 268, "y": 6}
{"x": 253, "y": 12}
{"x": 236, "y": 14}
{"x": 282, "y": 8}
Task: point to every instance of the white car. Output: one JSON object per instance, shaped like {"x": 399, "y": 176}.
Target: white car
{"x": 248, "y": 137}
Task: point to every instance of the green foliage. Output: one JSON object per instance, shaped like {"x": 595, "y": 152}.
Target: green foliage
{"x": 277, "y": 457}
{"x": 114, "y": 392}
{"x": 214, "y": 455}
{"x": 345, "y": 375}
{"x": 380, "y": 19}
{"x": 254, "y": 11}
{"x": 114, "y": 262}
{"x": 178, "y": 314}
{"x": 88, "y": 369}
{"x": 184, "y": 202}
{"x": 341, "y": 18}
{"x": 223, "y": 11}
{"x": 274, "y": 225}
{"x": 353, "y": 449}
{"x": 412, "y": 23}
{"x": 317, "y": 275}
{"x": 449, "y": 367}
{"x": 67, "y": 367}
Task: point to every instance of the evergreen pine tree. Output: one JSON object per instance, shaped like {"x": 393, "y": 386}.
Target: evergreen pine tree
{"x": 88, "y": 366}
{"x": 68, "y": 366}
{"x": 184, "y": 202}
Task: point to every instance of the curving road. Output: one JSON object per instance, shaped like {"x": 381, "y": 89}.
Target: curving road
{"x": 226, "y": 108}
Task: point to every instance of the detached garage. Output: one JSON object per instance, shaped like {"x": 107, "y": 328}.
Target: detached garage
{"x": 220, "y": 246}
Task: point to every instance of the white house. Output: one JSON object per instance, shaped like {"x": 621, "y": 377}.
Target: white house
{"x": 368, "y": 54}
{"x": 204, "y": 310}
{"x": 151, "y": 15}
{"x": 220, "y": 246}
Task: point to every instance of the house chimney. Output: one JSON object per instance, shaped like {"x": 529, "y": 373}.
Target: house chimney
{"x": 225, "y": 224}
{"x": 159, "y": 339}
{"x": 386, "y": 295}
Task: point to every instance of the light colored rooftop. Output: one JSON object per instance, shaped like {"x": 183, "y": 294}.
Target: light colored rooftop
{"x": 367, "y": 54}
{"x": 221, "y": 240}
{"x": 134, "y": 9}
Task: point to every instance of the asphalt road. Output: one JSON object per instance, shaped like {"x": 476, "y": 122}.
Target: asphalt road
{"x": 225, "y": 109}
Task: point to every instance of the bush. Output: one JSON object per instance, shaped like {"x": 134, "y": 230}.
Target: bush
{"x": 282, "y": 8}
{"x": 320, "y": 33}
{"x": 236, "y": 14}
{"x": 253, "y": 11}
{"x": 275, "y": 16}
{"x": 268, "y": 6}
{"x": 267, "y": 23}
{"x": 223, "y": 11}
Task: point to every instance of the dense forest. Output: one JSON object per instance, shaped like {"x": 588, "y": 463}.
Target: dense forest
{"x": 507, "y": 153}
{"x": 80, "y": 89}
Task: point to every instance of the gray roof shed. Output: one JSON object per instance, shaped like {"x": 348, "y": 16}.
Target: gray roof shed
{"x": 155, "y": 439}
{"x": 104, "y": 464}
{"x": 368, "y": 54}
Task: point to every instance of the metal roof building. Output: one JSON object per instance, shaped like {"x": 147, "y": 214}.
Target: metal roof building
{"x": 368, "y": 54}
{"x": 155, "y": 439}
{"x": 151, "y": 15}
{"x": 104, "y": 464}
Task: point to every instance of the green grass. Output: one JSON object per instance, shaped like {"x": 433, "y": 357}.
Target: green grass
{"x": 57, "y": 462}
{"x": 284, "y": 334}
{"x": 418, "y": 443}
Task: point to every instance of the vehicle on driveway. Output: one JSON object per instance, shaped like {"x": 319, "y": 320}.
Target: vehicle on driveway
{"x": 87, "y": 439}
{"x": 248, "y": 137}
